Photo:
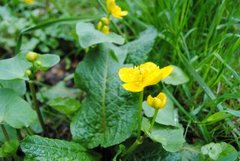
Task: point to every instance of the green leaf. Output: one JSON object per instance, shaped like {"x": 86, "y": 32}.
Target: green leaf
{"x": 38, "y": 149}
{"x": 149, "y": 151}
{"x": 14, "y": 110}
{"x": 59, "y": 90}
{"x": 108, "y": 115}
{"x": 9, "y": 148}
{"x": 18, "y": 85}
{"x": 220, "y": 151}
{"x": 166, "y": 116}
{"x": 11, "y": 133}
{"x": 176, "y": 77}
{"x": 171, "y": 138}
{"x": 218, "y": 116}
{"x": 65, "y": 105}
{"x": 89, "y": 36}
{"x": 48, "y": 60}
{"x": 14, "y": 68}
{"x": 138, "y": 50}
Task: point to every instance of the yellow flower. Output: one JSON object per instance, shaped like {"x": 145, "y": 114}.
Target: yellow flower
{"x": 115, "y": 10}
{"x": 137, "y": 78}
{"x": 29, "y": 1}
{"x": 157, "y": 102}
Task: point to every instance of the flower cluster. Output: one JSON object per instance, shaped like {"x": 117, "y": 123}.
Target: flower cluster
{"x": 115, "y": 11}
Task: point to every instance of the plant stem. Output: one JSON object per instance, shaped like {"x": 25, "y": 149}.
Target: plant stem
{"x": 139, "y": 139}
{"x": 35, "y": 103}
{"x": 5, "y": 133}
{"x": 140, "y": 114}
{"x": 153, "y": 119}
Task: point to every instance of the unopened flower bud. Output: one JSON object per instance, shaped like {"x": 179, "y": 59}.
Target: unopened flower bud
{"x": 28, "y": 72}
{"x": 31, "y": 56}
{"x": 105, "y": 20}
{"x": 157, "y": 102}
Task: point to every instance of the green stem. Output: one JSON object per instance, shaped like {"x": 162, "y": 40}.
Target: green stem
{"x": 139, "y": 139}
{"x": 19, "y": 135}
{"x": 153, "y": 119}
{"x": 5, "y": 133}
{"x": 36, "y": 106}
{"x": 140, "y": 114}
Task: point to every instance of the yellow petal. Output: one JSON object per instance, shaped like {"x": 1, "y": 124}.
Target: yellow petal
{"x": 150, "y": 100}
{"x": 133, "y": 87}
{"x": 166, "y": 71}
{"x": 129, "y": 75}
{"x": 124, "y": 13}
{"x": 162, "y": 96}
{"x": 110, "y": 4}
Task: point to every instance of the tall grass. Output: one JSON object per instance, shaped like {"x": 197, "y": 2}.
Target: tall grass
{"x": 202, "y": 37}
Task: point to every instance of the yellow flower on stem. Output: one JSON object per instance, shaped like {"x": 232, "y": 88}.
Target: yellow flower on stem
{"x": 157, "y": 102}
{"x": 29, "y": 1}
{"x": 115, "y": 10}
{"x": 137, "y": 78}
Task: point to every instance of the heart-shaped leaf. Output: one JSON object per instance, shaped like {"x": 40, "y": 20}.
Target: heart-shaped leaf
{"x": 89, "y": 36}
{"x": 108, "y": 115}
{"x": 171, "y": 138}
{"x": 38, "y": 148}
{"x": 14, "y": 110}
{"x": 18, "y": 85}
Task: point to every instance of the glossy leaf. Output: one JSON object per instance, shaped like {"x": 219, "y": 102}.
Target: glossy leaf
{"x": 220, "y": 151}
{"x": 65, "y": 105}
{"x": 176, "y": 77}
{"x": 48, "y": 60}
{"x": 9, "y": 148}
{"x": 108, "y": 115}
{"x": 38, "y": 148}
{"x": 138, "y": 50}
{"x": 89, "y": 36}
{"x": 166, "y": 116}
{"x": 18, "y": 85}
{"x": 14, "y": 110}
{"x": 14, "y": 68}
{"x": 171, "y": 138}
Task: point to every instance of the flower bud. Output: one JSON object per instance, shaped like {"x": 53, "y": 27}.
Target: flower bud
{"x": 105, "y": 20}
{"x": 38, "y": 64}
{"x": 31, "y": 56}
{"x": 105, "y": 29}
{"x": 157, "y": 102}
{"x": 28, "y": 72}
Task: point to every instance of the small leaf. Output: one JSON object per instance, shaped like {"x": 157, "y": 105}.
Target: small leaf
{"x": 218, "y": 116}
{"x": 89, "y": 36}
{"x": 14, "y": 68}
{"x": 166, "y": 116}
{"x": 18, "y": 85}
{"x": 38, "y": 149}
{"x": 65, "y": 105}
{"x": 59, "y": 90}
{"x": 176, "y": 77}
{"x": 138, "y": 50}
{"x": 9, "y": 148}
{"x": 171, "y": 138}
{"x": 48, "y": 60}
{"x": 14, "y": 110}
{"x": 220, "y": 151}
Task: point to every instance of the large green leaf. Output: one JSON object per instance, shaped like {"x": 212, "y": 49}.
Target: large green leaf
{"x": 171, "y": 138}
{"x": 138, "y": 50}
{"x": 38, "y": 148}
{"x": 14, "y": 110}
{"x": 176, "y": 77}
{"x": 14, "y": 68}
{"x": 108, "y": 115}
{"x": 89, "y": 36}
{"x": 18, "y": 85}
{"x": 166, "y": 116}
{"x": 149, "y": 151}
